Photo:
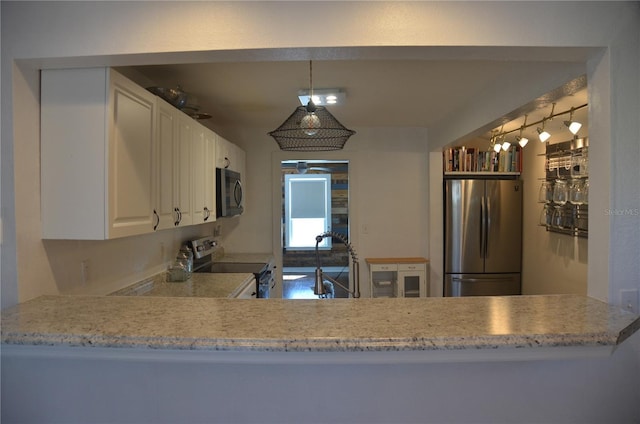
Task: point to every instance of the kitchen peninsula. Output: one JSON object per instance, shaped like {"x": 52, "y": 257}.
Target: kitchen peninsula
{"x": 424, "y": 325}
{"x": 190, "y": 359}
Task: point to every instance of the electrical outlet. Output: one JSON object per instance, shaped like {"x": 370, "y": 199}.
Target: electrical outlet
{"x": 629, "y": 300}
{"x": 364, "y": 228}
{"x": 84, "y": 271}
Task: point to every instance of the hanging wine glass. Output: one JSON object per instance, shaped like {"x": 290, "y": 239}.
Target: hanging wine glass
{"x": 557, "y": 217}
{"x": 545, "y": 215}
{"x": 545, "y": 193}
{"x": 576, "y": 192}
{"x": 585, "y": 192}
{"x": 560, "y": 192}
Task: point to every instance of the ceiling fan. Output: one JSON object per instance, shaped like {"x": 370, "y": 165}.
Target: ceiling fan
{"x": 302, "y": 167}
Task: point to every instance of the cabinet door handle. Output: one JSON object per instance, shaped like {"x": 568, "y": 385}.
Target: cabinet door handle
{"x": 155, "y": 214}
{"x": 206, "y": 213}
{"x": 177, "y": 221}
{"x": 237, "y": 193}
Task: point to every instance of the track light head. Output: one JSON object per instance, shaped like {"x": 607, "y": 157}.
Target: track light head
{"x": 543, "y": 135}
{"x": 574, "y": 126}
{"x": 522, "y": 141}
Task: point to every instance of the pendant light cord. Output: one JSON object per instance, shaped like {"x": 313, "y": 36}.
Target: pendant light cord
{"x": 311, "y": 106}
{"x": 311, "y": 79}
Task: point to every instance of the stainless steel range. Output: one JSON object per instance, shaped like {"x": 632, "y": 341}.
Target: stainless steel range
{"x": 207, "y": 259}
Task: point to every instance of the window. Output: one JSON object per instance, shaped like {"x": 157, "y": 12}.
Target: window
{"x": 307, "y": 210}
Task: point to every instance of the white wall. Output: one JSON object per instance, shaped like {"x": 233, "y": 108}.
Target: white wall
{"x": 106, "y": 33}
{"x": 552, "y": 263}
{"x": 58, "y": 31}
{"x": 388, "y": 182}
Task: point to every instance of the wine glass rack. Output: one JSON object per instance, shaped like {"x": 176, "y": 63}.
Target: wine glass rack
{"x": 567, "y": 162}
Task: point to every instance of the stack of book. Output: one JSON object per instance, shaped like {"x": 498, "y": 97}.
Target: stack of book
{"x": 463, "y": 159}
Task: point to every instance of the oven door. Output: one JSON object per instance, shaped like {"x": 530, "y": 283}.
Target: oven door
{"x": 249, "y": 292}
{"x": 265, "y": 283}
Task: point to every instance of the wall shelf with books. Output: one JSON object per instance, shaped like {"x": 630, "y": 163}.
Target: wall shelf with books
{"x": 470, "y": 160}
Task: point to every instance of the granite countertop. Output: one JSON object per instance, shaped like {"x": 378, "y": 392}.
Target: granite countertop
{"x": 198, "y": 285}
{"x": 322, "y": 325}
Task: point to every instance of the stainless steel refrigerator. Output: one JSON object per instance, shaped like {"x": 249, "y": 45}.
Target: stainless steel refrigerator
{"x": 482, "y": 237}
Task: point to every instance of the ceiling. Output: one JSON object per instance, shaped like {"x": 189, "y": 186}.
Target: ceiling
{"x": 379, "y": 93}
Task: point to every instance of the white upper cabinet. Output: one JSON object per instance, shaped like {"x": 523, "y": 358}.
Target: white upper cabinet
{"x": 167, "y": 138}
{"x": 184, "y": 172}
{"x": 186, "y": 177}
{"x": 118, "y": 161}
{"x": 229, "y": 156}
{"x": 223, "y": 153}
{"x": 98, "y": 168}
{"x": 204, "y": 188}
{"x": 211, "y": 140}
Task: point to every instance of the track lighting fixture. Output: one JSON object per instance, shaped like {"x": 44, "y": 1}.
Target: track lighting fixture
{"x": 543, "y": 135}
{"x": 493, "y": 142}
{"x": 505, "y": 143}
{"x": 574, "y": 126}
{"x": 522, "y": 141}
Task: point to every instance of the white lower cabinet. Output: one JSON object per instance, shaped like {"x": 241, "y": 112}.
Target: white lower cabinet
{"x": 412, "y": 280}
{"x": 397, "y": 279}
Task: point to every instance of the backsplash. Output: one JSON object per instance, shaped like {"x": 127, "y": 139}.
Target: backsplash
{"x": 113, "y": 264}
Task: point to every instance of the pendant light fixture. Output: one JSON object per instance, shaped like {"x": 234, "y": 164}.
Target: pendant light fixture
{"x": 311, "y": 128}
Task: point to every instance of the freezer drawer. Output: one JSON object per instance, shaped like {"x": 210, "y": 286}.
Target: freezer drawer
{"x": 481, "y": 285}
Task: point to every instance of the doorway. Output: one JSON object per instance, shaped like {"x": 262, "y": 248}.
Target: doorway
{"x": 315, "y": 199}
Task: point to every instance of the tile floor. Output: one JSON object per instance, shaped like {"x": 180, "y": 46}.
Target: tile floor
{"x": 300, "y": 285}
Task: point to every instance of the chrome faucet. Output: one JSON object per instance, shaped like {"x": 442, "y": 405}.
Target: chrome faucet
{"x": 319, "y": 288}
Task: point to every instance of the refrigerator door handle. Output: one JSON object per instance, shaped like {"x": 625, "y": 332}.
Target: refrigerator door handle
{"x": 479, "y": 280}
{"x": 487, "y": 227}
{"x": 483, "y": 230}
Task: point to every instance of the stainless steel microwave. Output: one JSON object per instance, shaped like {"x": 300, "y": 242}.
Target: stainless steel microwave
{"x": 229, "y": 200}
